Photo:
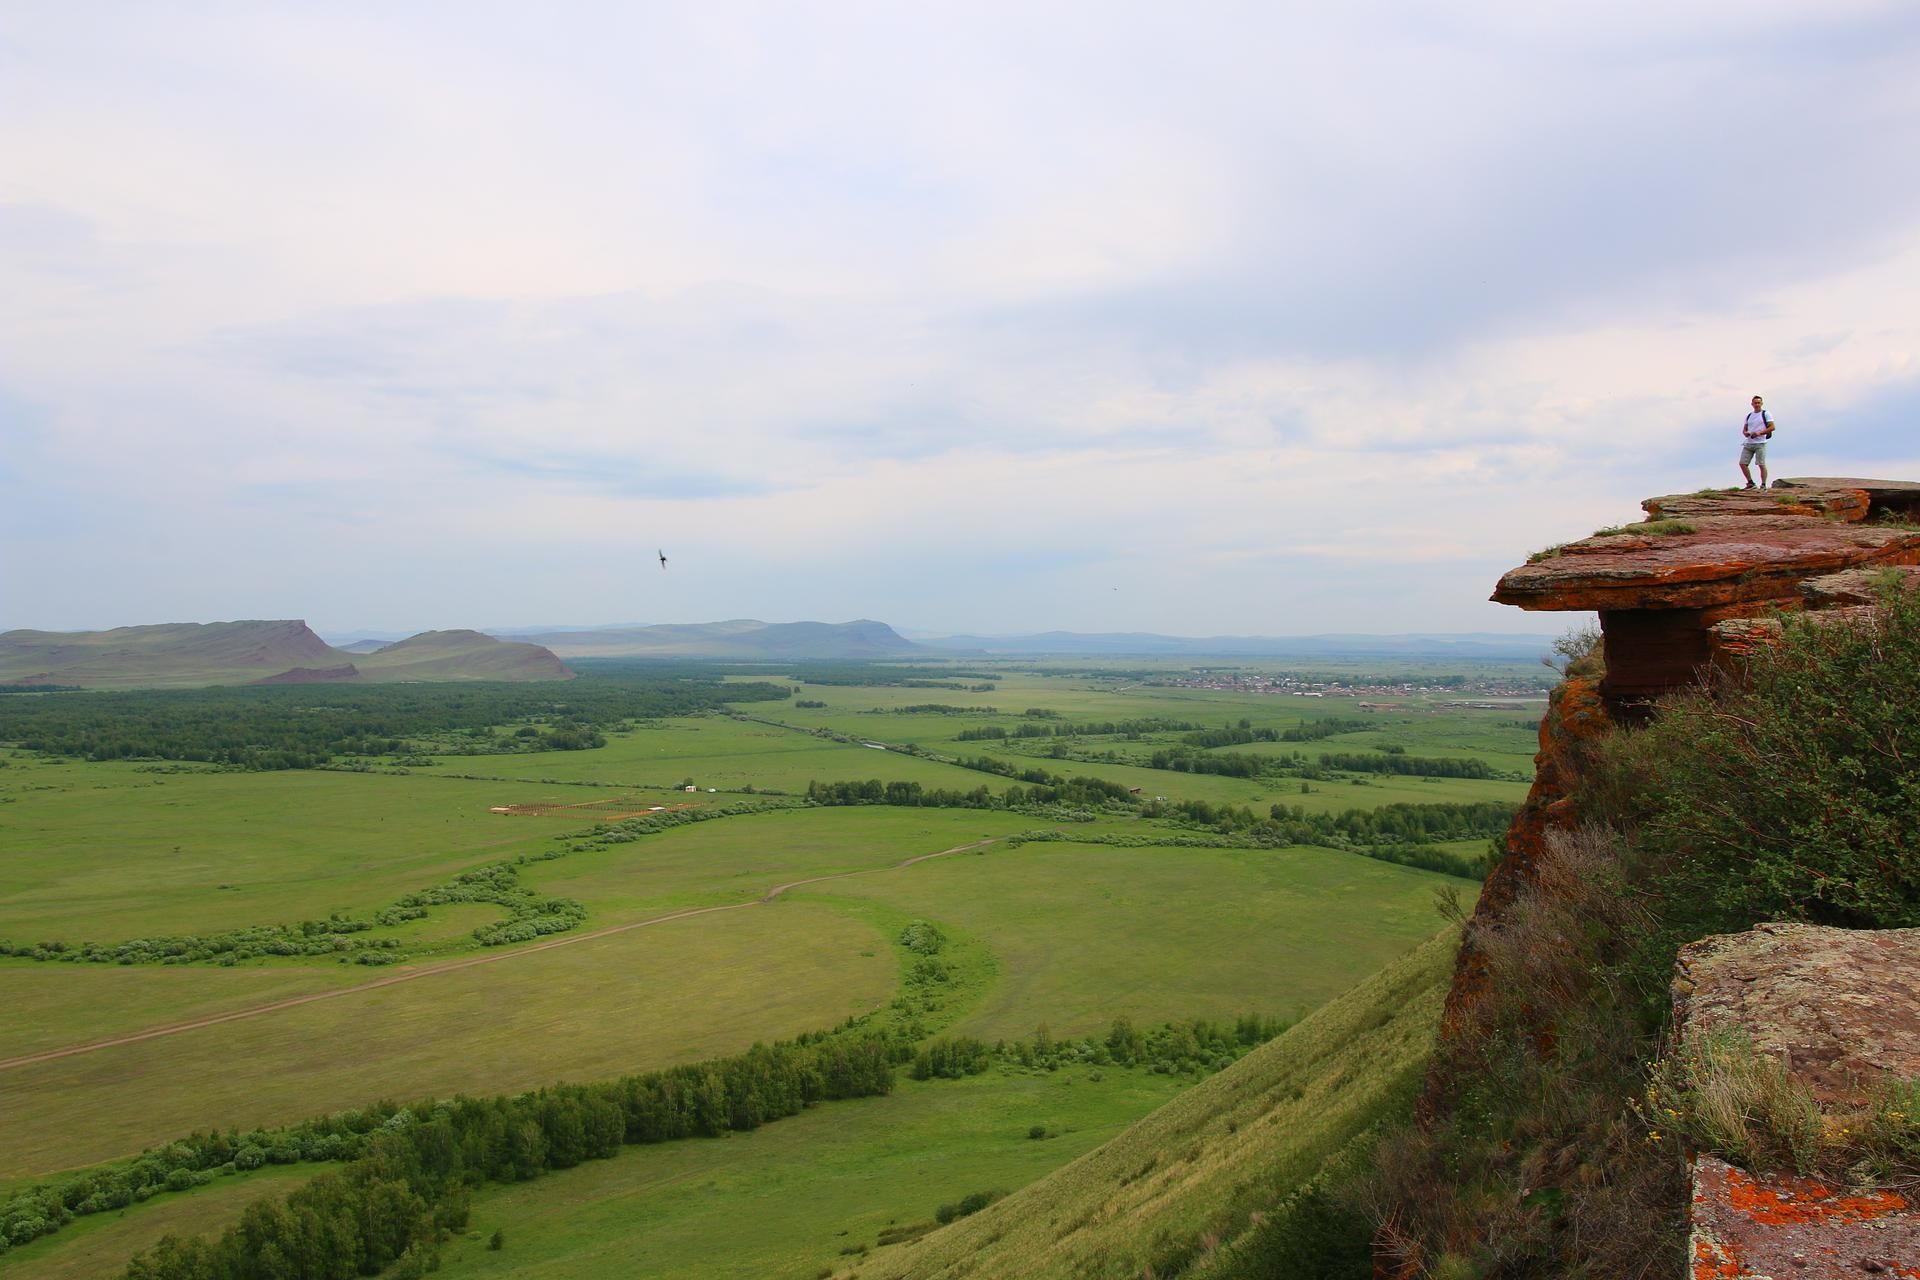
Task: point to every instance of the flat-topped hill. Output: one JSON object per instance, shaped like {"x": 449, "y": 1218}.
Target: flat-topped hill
{"x": 745, "y": 639}
{"x": 185, "y": 654}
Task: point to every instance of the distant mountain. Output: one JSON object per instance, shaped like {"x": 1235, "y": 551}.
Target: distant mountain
{"x": 1467, "y": 647}
{"x": 462, "y": 655}
{"x": 742, "y": 639}
{"x": 255, "y": 652}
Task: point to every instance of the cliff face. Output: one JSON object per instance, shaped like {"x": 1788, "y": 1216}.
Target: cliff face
{"x": 1701, "y": 584}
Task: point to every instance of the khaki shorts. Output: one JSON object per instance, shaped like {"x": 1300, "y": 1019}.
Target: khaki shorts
{"x": 1753, "y": 451}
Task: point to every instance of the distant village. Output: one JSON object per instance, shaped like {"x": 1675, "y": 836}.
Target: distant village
{"x": 1508, "y": 693}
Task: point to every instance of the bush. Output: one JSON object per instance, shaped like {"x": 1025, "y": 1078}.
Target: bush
{"x": 1789, "y": 794}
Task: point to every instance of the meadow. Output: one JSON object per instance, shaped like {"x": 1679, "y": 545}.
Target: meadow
{"x": 1073, "y": 931}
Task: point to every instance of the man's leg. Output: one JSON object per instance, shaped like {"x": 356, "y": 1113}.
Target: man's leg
{"x": 1746, "y": 473}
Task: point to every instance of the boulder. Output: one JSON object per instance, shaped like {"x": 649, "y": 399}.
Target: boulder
{"x": 1857, "y": 586}
{"x": 1840, "y": 1009}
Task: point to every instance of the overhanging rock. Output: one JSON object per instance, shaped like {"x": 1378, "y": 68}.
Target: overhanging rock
{"x": 1660, "y": 586}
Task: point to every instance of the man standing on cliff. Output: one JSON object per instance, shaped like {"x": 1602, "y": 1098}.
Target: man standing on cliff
{"x": 1754, "y": 434}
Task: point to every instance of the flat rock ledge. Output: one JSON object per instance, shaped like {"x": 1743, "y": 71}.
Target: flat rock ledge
{"x": 1841, "y": 1009}
{"x": 1703, "y": 559}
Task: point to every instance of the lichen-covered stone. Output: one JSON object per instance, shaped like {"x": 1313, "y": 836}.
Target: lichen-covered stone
{"x": 1772, "y": 1228}
{"x": 1838, "y": 503}
{"x": 1725, "y": 560}
{"x": 1856, "y": 586}
{"x": 1839, "y": 1007}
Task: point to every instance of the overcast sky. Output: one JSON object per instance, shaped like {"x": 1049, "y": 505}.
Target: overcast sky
{"x": 1198, "y": 318}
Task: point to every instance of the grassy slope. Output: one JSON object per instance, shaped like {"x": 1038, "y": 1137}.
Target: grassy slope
{"x": 1237, "y": 1142}
{"x": 785, "y": 1200}
{"x": 100, "y": 1244}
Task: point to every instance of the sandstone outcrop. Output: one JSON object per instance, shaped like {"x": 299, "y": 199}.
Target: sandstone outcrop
{"x": 1703, "y": 559}
{"x": 1840, "y": 1010}
{"x": 1705, "y": 580}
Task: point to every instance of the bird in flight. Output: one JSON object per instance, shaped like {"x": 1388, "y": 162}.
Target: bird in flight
{"x": 663, "y": 560}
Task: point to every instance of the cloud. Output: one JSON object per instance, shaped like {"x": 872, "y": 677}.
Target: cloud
{"x": 1277, "y": 319}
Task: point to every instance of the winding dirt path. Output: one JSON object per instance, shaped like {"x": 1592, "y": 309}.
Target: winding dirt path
{"x": 454, "y": 966}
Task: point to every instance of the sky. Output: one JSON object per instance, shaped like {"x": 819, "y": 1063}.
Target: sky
{"x": 1199, "y": 319}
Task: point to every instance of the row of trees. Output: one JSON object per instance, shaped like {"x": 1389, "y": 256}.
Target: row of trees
{"x": 1045, "y": 789}
{"x": 409, "y": 1169}
{"x": 529, "y": 915}
{"x": 1131, "y": 730}
{"x": 299, "y": 727}
{"x": 1238, "y": 764}
{"x": 1395, "y": 762}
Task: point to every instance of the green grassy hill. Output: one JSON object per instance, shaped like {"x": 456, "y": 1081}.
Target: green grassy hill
{"x": 187, "y": 654}
{"x": 1184, "y": 1188}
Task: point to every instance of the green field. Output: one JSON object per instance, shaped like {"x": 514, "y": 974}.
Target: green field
{"x": 1073, "y": 932}
{"x": 646, "y": 998}
{"x": 102, "y": 852}
{"x": 100, "y": 1244}
{"x": 786, "y": 1200}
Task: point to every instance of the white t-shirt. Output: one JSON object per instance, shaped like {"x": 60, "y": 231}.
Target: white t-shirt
{"x": 1758, "y": 423}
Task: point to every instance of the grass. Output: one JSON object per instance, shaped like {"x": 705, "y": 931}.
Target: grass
{"x": 714, "y": 751}
{"x": 1200, "y": 1167}
{"x": 787, "y": 1199}
{"x": 1721, "y": 1094}
{"x": 648, "y": 998}
{"x": 100, "y": 1244}
{"x": 1088, "y": 933}
{"x": 1647, "y": 529}
{"x": 105, "y": 852}
{"x": 739, "y": 859}
{"x": 1073, "y": 935}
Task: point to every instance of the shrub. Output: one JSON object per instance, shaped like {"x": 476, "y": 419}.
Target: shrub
{"x": 1788, "y": 794}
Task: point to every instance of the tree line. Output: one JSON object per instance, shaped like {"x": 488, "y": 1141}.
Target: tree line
{"x": 408, "y": 1170}
{"x": 1046, "y": 790}
{"x": 301, "y": 727}
{"x": 529, "y": 915}
{"x": 1132, "y": 730}
{"x": 1239, "y": 764}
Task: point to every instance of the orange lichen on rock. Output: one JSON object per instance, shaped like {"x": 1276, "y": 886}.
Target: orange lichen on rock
{"x": 1751, "y": 1226}
{"x": 1785, "y": 1199}
{"x": 1839, "y": 1009}
{"x": 1709, "y": 1263}
{"x": 1723, "y": 560}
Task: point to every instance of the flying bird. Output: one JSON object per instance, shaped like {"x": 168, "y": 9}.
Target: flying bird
{"x": 663, "y": 561}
